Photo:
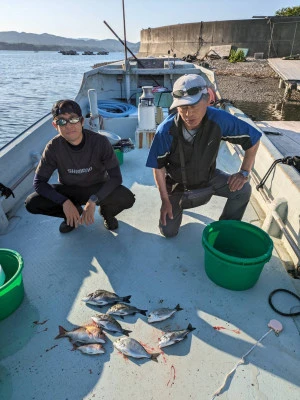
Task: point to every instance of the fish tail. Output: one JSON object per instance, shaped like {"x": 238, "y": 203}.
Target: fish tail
{"x": 154, "y": 356}
{"x": 75, "y": 346}
{"x": 143, "y": 312}
{"x": 62, "y": 332}
{"x": 178, "y": 308}
{"x": 126, "y": 332}
{"x": 126, "y": 299}
{"x": 190, "y": 328}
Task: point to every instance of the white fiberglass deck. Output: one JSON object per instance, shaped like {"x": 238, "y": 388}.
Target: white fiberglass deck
{"x": 61, "y": 269}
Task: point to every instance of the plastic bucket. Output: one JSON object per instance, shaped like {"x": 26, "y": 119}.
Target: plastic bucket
{"x": 119, "y": 155}
{"x": 12, "y": 292}
{"x": 235, "y": 253}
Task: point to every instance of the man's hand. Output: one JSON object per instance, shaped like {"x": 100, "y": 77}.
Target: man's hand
{"x": 88, "y": 215}
{"x": 165, "y": 210}
{"x": 236, "y": 182}
{"x": 71, "y": 213}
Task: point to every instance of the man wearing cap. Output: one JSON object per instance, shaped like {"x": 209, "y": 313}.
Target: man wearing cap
{"x": 184, "y": 151}
{"x": 88, "y": 172}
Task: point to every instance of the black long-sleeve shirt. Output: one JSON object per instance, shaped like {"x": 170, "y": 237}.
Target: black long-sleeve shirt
{"x": 92, "y": 162}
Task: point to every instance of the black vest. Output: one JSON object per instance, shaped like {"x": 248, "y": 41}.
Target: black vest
{"x": 200, "y": 155}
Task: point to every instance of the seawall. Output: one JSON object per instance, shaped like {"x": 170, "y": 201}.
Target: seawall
{"x": 274, "y": 37}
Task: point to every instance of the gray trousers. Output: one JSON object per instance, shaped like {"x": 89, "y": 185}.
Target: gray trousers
{"x": 234, "y": 208}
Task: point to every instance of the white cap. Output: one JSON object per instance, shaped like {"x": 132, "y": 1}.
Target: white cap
{"x": 185, "y": 82}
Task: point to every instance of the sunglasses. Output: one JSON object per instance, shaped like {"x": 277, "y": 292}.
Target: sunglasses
{"x": 189, "y": 92}
{"x": 63, "y": 121}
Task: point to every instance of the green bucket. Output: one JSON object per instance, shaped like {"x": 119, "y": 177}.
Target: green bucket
{"x": 12, "y": 292}
{"x": 119, "y": 155}
{"x": 235, "y": 253}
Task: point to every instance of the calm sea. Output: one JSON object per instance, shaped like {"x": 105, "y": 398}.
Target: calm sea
{"x": 30, "y": 82}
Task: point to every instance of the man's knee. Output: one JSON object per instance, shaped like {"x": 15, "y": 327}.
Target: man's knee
{"x": 128, "y": 199}
{"x": 246, "y": 190}
{"x": 30, "y": 204}
{"x": 168, "y": 233}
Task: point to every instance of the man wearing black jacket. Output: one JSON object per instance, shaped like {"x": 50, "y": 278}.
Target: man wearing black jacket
{"x": 88, "y": 172}
{"x": 184, "y": 151}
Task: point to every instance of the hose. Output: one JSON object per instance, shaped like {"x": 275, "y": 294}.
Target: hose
{"x": 115, "y": 109}
{"x": 278, "y": 311}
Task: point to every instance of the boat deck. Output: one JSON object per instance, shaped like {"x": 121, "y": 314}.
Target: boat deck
{"x": 285, "y": 135}
{"x": 59, "y": 270}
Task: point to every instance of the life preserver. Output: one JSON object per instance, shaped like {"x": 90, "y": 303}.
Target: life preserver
{"x": 212, "y": 95}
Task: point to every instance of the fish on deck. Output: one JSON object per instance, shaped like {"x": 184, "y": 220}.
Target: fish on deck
{"x": 132, "y": 348}
{"x": 102, "y": 297}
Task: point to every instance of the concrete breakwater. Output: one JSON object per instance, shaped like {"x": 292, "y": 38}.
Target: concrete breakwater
{"x": 273, "y": 36}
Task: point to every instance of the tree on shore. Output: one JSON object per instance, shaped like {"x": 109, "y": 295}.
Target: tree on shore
{"x": 289, "y": 12}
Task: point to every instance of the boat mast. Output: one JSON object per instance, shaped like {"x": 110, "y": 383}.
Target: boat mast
{"x": 127, "y": 77}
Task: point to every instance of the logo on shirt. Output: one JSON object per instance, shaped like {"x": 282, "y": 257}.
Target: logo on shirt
{"x": 79, "y": 171}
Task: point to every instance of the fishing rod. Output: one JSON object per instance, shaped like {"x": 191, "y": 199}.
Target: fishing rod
{"x": 138, "y": 61}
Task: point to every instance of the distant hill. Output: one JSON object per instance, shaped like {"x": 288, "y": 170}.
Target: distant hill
{"x": 30, "y": 41}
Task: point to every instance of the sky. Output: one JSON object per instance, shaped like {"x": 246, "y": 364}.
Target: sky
{"x": 84, "y": 19}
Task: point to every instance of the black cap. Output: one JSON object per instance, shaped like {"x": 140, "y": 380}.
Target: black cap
{"x": 66, "y": 107}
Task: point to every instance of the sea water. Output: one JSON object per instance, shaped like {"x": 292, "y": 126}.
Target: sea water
{"x": 30, "y": 82}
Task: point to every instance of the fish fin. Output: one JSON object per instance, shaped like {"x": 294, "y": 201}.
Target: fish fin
{"x": 154, "y": 356}
{"x": 75, "y": 346}
{"x": 126, "y": 299}
{"x": 121, "y": 316}
{"x": 178, "y": 308}
{"x": 126, "y": 332}
{"x": 143, "y": 312}
{"x": 190, "y": 328}
{"x": 62, "y": 332}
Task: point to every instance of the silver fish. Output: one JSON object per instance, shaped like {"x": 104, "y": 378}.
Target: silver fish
{"x": 132, "y": 348}
{"x": 84, "y": 334}
{"x": 109, "y": 323}
{"x": 121, "y": 309}
{"x": 162, "y": 313}
{"x": 91, "y": 348}
{"x": 102, "y": 297}
{"x": 172, "y": 337}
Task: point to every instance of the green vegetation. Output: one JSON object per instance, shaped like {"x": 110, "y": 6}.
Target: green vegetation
{"x": 236, "y": 56}
{"x": 289, "y": 12}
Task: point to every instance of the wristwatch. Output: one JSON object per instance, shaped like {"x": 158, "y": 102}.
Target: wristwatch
{"x": 244, "y": 173}
{"x": 93, "y": 198}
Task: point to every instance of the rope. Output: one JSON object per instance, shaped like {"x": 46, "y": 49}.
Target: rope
{"x": 280, "y": 312}
{"x": 241, "y": 361}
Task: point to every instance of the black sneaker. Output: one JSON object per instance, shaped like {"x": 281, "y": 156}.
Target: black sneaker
{"x": 65, "y": 228}
{"x": 111, "y": 223}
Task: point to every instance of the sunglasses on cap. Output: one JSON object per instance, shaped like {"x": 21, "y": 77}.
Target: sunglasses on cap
{"x": 63, "y": 121}
{"x": 189, "y": 92}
